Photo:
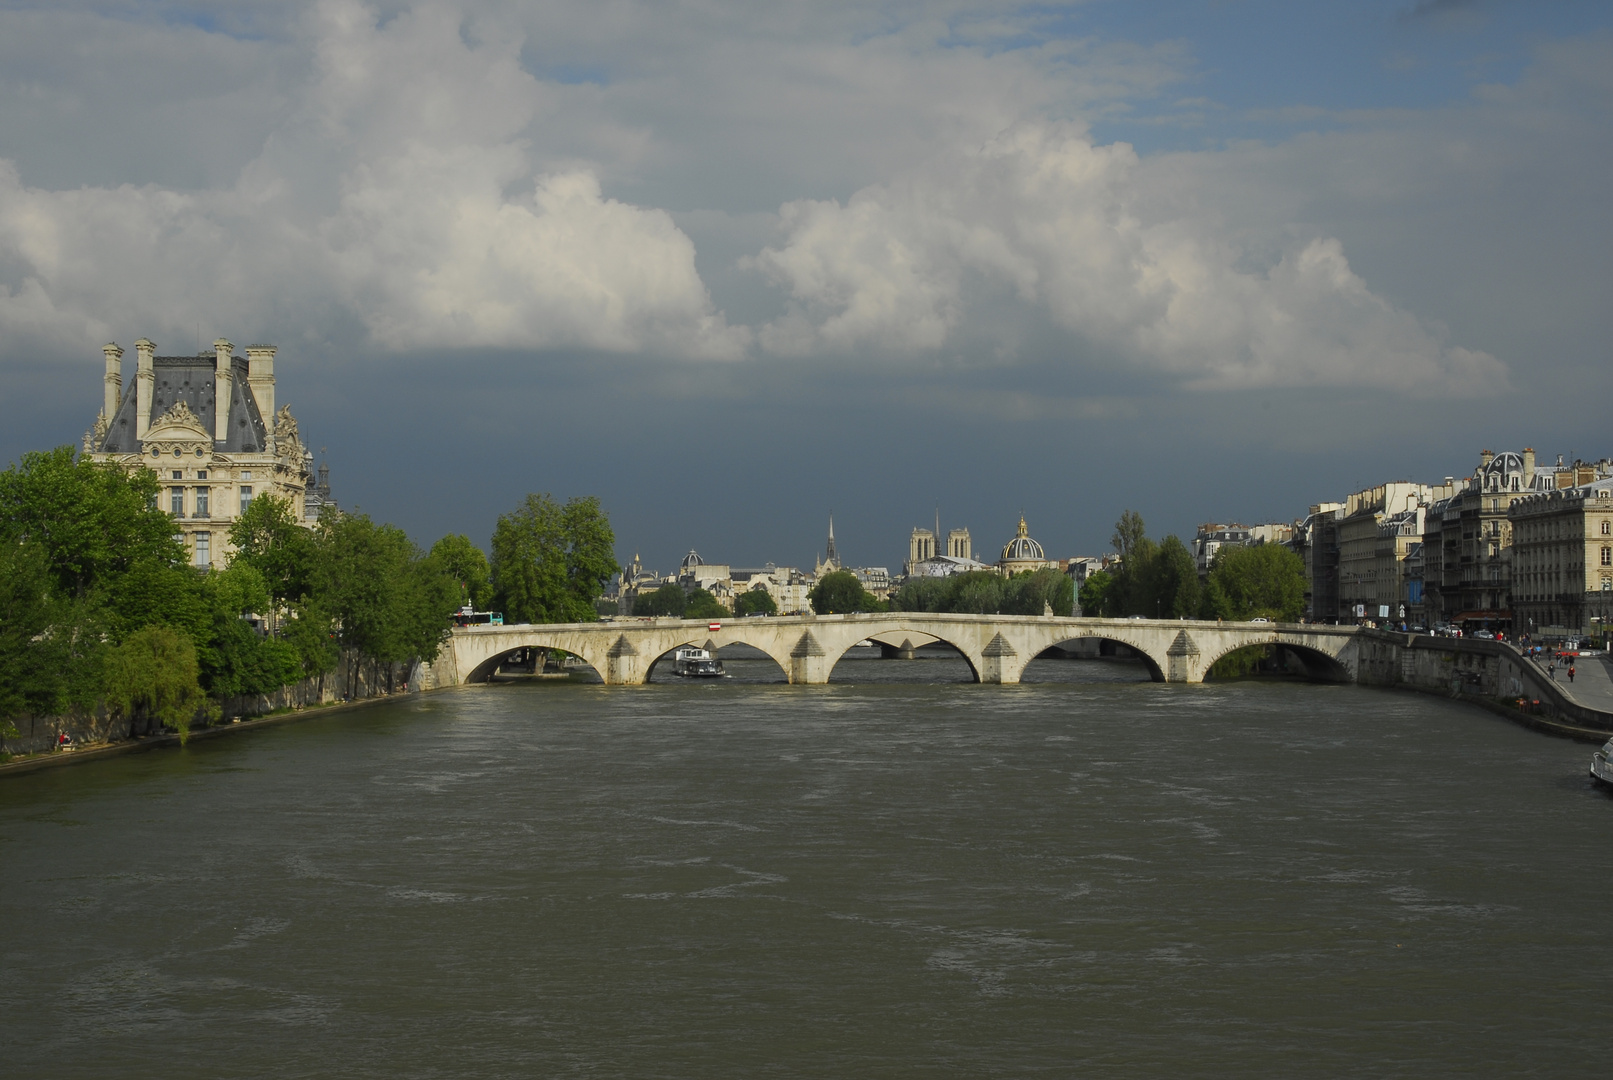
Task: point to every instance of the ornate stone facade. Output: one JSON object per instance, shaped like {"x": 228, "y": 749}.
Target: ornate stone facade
{"x": 200, "y": 424}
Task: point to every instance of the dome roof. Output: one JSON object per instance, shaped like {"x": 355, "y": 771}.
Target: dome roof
{"x": 691, "y": 560}
{"x": 1022, "y": 547}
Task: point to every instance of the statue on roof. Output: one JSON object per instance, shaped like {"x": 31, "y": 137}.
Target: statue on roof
{"x": 286, "y": 443}
{"x": 180, "y": 414}
{"x": 94, "y": 437}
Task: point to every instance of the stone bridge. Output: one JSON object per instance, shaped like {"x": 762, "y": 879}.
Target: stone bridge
{"x": 997, "y": 647}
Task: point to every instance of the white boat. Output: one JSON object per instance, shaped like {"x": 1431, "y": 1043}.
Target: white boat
{"x": 693, "y": 663}
{"x": 1601, "y": 767}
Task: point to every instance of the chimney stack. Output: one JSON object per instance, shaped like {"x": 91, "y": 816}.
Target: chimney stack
{"x": 260, "y": 377}
{"x": 1485, "y": 457}
{"x": 145, "y": 380}
{"x": 1528, "y": 465}
{"x": 223, "y": 381}
{"x": 114, "y": 379}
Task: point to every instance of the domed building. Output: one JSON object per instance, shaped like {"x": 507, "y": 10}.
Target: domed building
{"x": 1022, "y": 553}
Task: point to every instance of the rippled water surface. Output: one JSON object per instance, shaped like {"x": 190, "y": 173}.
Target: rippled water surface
{"x": 1085, "y": 875}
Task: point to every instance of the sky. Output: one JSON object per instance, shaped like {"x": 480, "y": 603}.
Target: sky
{"x": 734, "y": 267}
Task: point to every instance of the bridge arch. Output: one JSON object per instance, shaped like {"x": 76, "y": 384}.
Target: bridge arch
{"x": 904, "y": 640}
{"x": 1314, "y": 663}
{"x": 488, "y": 667}
{"x": 1155, "y": 665}
{"x": 709, "y": 641}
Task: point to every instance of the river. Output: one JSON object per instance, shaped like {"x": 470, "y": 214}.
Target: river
{"x": 1085, "y": 874}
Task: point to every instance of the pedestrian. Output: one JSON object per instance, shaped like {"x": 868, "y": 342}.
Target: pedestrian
{"x": 1570, "y": 672}
{"x": 1551, "y": 669}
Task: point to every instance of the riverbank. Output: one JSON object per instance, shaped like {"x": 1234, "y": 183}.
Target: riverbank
{"x": 28, "y": 763}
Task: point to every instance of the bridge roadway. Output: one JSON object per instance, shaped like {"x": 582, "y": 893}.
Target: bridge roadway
{"x": 997, "y": 647}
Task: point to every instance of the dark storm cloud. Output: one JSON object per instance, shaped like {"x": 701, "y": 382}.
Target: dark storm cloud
{"x": 872, "y": 260}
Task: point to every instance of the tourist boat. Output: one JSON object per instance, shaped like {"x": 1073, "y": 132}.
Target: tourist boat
{"x": 1601, "y": 766}
{"x": 693, "y": 663}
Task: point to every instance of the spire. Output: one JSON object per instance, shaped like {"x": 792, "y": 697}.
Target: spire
{"x": 832, "y": 559}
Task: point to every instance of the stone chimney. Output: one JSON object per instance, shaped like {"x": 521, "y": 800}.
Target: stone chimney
{"x": 260, "y": 376}
{"x": 223, "y": 382}
{"x": 145, "y": 380}
{"x": 1485, "y": 457}
{"x": 1528, "y": 465}
{"x": 114, "y": 380}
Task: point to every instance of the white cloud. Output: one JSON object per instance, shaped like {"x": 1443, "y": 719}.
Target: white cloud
{"x": 401, "y": 193}
{"x": 1045, "y": 213}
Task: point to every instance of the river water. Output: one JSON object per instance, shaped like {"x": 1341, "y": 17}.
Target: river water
{"x": 1085, "y": 874}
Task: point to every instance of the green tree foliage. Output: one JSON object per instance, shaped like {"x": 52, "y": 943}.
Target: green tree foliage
{"x": 1266, "y": 580}
{"x": 667, "y": 600}
{"x": 153, "y": 676}
{"x": 702, "y": 605}
{"x": 1129, "y": 533}
{"x": 91, "y": 522}
{"x": 233, "y": 657}
{"x": 50, "y": 647}
{"x": 270, "y": 539}
{"x": 1095, "y": 594}
{"x": 840, "y": 593}
{"x": 981, "y": 592}
{"x": 464, "y": 562}
{"x": 1172, "y": 582}
{"x": 550, "y": 561}
{"x": 757, "y": 601}
{"x": 386, "y": 600}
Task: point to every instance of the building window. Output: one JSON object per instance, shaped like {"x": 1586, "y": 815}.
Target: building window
{"x": 201, "y": 474}
{"x": 1607, "y": 555}
{"x": 179, "y": 474}
{"x": 176, "y": 502}
{"x": 247, "y": 475}
{"x": 1607, "y": 528}
{"x": 203, "y": 542}
{"x": 246, "y": 496}
{"x": 201, "y": 502}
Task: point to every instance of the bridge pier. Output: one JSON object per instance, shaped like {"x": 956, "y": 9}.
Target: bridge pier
{"x": 997, "y": 663}
{"x": 809, "y": 664}
{"x": 904, "y": 651}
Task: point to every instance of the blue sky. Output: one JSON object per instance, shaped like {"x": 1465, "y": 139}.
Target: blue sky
{"x": 1209, "y": 261}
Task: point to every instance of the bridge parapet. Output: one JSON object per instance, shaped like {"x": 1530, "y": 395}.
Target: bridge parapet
{"x": 807, "y": 647}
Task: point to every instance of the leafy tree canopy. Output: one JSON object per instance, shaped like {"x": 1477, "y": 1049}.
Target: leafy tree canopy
{"x": 550, "y": 561}
{"x": 669, "y": 599}
{"x": 153, "y": 675}
{"x": 92, "y": 522}
{"x": 840, "y": 593}
{"x": 1266, "y": 580}
{"x": 464, "y": 562}
{"x": 757, "y": 601}
{"x": 702, "y": 605}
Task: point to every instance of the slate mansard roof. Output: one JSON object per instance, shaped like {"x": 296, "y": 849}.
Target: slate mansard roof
{"x": 191, "y": 379}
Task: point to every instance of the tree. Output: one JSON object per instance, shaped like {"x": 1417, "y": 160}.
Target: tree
{"x": 233, "y": 657}
{"x": 50, "y": 648}
{"x": 839, "y": 592}
{"x": 1035, "y": 592}
{"x": 669, "y": 599}
{"x": 464, "y": 562}
{"x": 702, "y": 605}
{"x": 270, "y": 539}
{"x": 92, "y": 522}
{"x": 1173, "y": 581}
{"x": 1095, "y": 594}
{"x": 923, "y": 594}
{"x": 1267, "y": 580}
{"x": 1129, "y": 533}
{"x": 385, "y": 600}
{"x": 153, "y": 676}
{"x": 550, "y": 562}
{"x": 757, "y": 601}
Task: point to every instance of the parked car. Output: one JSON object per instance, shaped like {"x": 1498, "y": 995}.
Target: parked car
{"x": 1484, "y": 635}
{"x": 1260, "y": 618}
